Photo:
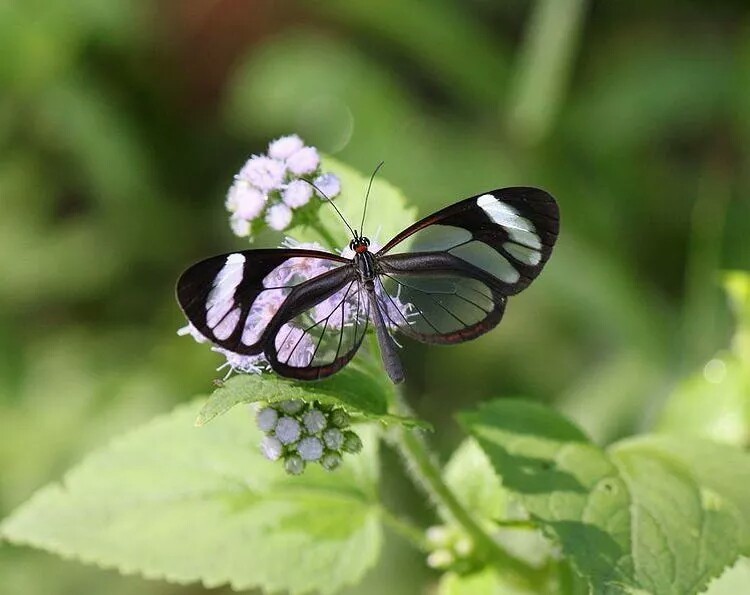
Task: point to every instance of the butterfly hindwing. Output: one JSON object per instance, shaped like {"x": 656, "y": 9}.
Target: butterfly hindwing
{"x": 320, "y": 327}
{"x": 438, "y": 298}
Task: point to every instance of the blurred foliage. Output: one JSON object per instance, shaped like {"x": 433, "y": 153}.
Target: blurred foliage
{"x": 122, "y": 122}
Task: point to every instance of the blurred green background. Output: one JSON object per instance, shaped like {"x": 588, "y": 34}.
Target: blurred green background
{"x": 122, "y": 122}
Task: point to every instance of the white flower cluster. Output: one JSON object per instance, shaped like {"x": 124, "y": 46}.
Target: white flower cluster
{"x": 270, "y": 187}
{"x": 451, "y": 548}
{"x": 299, "y": 433}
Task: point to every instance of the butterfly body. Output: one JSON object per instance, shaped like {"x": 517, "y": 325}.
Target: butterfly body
{"x": 307, "y": 311}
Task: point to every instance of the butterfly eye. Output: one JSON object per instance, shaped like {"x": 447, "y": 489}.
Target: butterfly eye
{"x": 367, "y": 241}
{"x": 352, "y": 245}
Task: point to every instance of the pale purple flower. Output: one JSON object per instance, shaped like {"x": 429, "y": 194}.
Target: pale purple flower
{"x": 284, "y": 147}
{"x": 310, "y": 448}
{"x": 297, "y": 194}
{"x": 249, "y": 364}
{"x": 271, "y": 448}
{"x": 266, "y": 419}
{"x": 240, "y": 227}
{"x": 279, "y": 217}
{"x": 264, "y": 173}
{"x": 245, "y": 201}
{"x": 329, "y": 185}
{"x": 288, "y": 430}
{"x": 302, "y": 162}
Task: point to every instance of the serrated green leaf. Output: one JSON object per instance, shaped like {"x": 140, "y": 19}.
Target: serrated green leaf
{"x": 388, "y": 210}
{"x": 188, "y": 504}
{"x": 657, "y": 514}
{"x": 352, "y": 388}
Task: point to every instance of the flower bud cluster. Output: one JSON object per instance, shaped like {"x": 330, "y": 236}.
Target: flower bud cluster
{"x": 299, "y": 433}
{"x": 450, "y": 548}
{"x": 271, "y": 188}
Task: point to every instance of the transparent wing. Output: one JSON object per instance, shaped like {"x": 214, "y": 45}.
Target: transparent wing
{"x": 436, "y": 302}
{"x": 320, "y": 332}
{"x": 231, "y": 299}
{"x": 508, "y": 233}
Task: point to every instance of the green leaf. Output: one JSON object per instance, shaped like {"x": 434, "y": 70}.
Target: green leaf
{"x": 470, "y": 475}
{"x": 656, "y": 514}
{"x": 388, "y": 213}
{"x": 183, "y": 504}
{"x": 352, "y": 388}
{"x": 713, "y": 403}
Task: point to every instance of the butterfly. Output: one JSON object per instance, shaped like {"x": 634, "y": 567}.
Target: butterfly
{"x": 445, "y": 279}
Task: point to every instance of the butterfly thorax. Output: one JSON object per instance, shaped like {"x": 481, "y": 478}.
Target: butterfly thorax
{"x": 364, "y": 262}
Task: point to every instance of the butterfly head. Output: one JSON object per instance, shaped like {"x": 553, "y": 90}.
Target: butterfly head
{"x": 359, "y": 244}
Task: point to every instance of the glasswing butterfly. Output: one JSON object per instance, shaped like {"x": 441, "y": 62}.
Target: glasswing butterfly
{"x": 307, "y": 311}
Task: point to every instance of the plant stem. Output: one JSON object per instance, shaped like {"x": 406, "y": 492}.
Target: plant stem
{"x": 422, "y": 464}
{"x": 543, "y": 69}
{"x": 405, "y": 528}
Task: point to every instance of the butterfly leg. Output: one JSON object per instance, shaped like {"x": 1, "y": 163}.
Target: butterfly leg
{"x": 388, "y": 349}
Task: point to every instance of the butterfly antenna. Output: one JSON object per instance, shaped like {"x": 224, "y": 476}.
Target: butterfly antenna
{"x": 364, "y": 211}
{"x": 324, "y": 195}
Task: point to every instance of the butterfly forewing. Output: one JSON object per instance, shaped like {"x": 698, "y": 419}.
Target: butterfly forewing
{"x": 508, "y": 233}
{"x": 232, "y": 299}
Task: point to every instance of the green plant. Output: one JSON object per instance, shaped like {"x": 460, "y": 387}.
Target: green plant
{"x": 527, "y": 503}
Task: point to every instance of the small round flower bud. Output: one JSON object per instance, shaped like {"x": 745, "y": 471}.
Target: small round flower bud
{"x": 438, "y": 536}
{"x": 266, "y": 419}
{"x": 314, "y": 421}
{"x": 440, "y": 559}
{"x": 291, "y": 406}
{"x": 279, "y": 217}
{"x": 288, "y": 430}
{"x": 339, "y": 418}
{"x": 330, "y": 461}
{"x": 264, "y": 173}
{"x": 297, "y": 194}
{"x": 284, "y": 147}
{"x": 240, "y": 227}
{"x": 304, "y": 161}
{"x": 329, "y": 185}
{"x": 310, "y": 448}
{"x": 294, "y": 465}
{"x": 333, "y": 438}
{"x": 464, "y": 547}
{"x": 352, "y": 442}
{"x": 271, "y": 448}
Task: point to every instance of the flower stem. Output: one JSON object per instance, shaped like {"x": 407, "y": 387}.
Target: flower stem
{"x": 422, "y": 464}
